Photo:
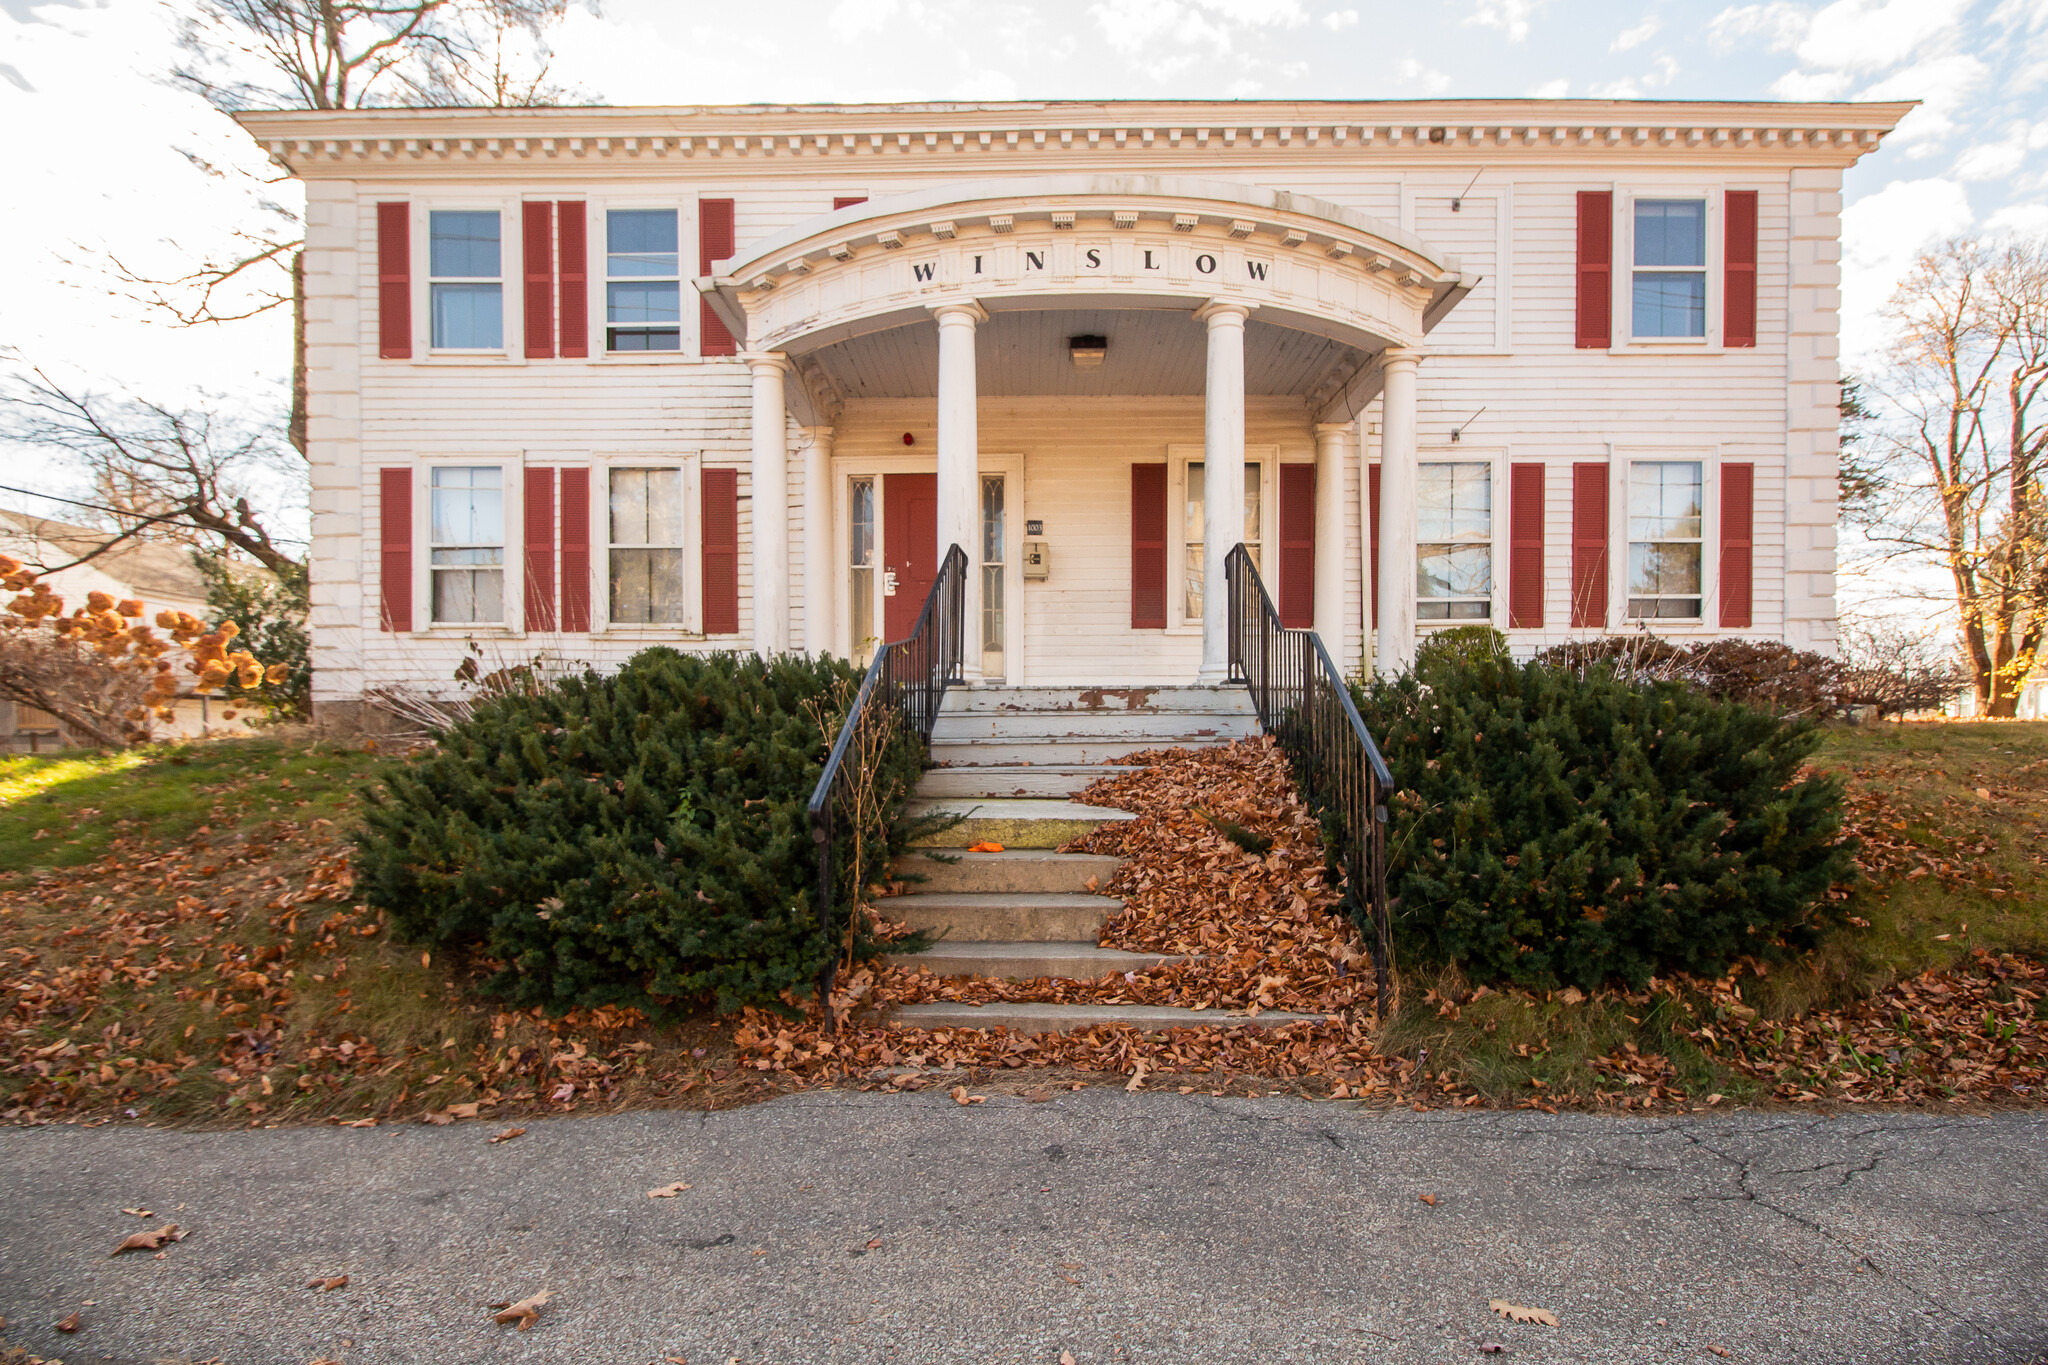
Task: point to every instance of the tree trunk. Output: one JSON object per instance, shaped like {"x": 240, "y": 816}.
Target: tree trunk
{"x": 296, "y": 432}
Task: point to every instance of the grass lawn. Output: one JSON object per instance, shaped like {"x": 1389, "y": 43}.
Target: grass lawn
{"x": 179, "y": 939}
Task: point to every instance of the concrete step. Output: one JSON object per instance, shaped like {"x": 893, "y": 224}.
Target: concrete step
{"x": 1033, "y": 1018}
{"x": 1014, "y": 822}
{"x": 1005, "y": 917}
{"x": 1030, "y": 870}
{"x": 1123, "y": 700}
{"x": 1078, "y": 961}
{"x": 1054, "y": 753}
{"x": 1156, "y": 727}
{"x": 1021, "y": 780}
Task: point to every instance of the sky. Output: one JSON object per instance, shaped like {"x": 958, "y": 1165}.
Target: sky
{"x": 105, "y": 160}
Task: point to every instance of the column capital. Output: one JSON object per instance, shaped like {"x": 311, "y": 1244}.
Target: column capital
{"x": 761, "y": 360}
{"x": 1407, "y": 356}
{"x": 966, "y": 310}
{"x": 1335, "y": 430}
{"x": 1224, "y": 312}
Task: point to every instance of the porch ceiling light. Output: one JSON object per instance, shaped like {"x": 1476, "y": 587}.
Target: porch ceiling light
{"x": 1087, "y": 351}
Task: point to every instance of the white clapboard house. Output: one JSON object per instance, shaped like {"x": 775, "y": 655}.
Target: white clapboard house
{"x": 584, "y": 380}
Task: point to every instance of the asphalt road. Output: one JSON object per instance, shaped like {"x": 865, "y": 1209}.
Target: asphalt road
{"x": 1119, "y": 1227}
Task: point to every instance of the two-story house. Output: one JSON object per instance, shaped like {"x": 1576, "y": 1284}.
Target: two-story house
{"x": 585, "y": 380}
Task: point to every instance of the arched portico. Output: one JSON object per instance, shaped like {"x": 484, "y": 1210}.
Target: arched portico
{"x": 1356, "y": 296}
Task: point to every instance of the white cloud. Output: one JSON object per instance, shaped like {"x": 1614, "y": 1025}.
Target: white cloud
{"x": 1631, "y": 38}
{"x": 1623, "y": 89}
{"x": 1811, "y": 85}
{"x": 1666, "y": 72}
{"x": 856, "y": 18}
{"x": 1943, "y": 83}
{"x": 1259, "y": 13}
{"x": 1990, "y": 161}
{"x": 1882, "y": 233}
{"x": 986, "y": 84}
{"x": 1140, "y": 27}
{"x": 1509, "y": 16}
{"x": 1409, "y": 71}
{"x": 1338, "y": 19}
{"x": 2026, "y": 220}
{"x": 1870, "y": 35}
{"x": 1552, "y": 90}
{"x": 1780, "y": 25}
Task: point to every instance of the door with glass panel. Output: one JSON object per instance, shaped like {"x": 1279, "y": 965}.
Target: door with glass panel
{"x": 994, "y": 561}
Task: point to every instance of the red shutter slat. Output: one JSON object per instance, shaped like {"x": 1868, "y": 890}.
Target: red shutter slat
{"x": 1298, "y": 546}
{"x": 1148, "y": 547}
{"x": 720, "y": 536}
{"x": 575, "y": 277}
{"x": 576, "y": 551}
{"x": 1372, "y": 489}
{"x": 1525, "y": 546}
{"x": 714, "y": 243}
{"x": 1738, "y": 531}
{"x": 847, "y": 203}
{"x": 537, "y": 246}
{"x": 540, "y": 549}
{"x": 1589, "y": 545}
{"x": 394, "y": 543}
{"x": 394, "y": 281}
{"x": 1738, "y": 279}
{"x": 1596, "y": 268}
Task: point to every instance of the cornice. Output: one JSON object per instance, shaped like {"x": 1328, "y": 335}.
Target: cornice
{"x": 313, "y": 143}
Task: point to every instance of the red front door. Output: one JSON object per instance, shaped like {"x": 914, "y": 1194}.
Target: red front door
{"x": 910, "y": 547}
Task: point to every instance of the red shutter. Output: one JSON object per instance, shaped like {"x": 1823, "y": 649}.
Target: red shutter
{"x": 1738, "y": 529}
{"x": 1372, "y": 489}
{"x": 394, "y": 542}
{"x": 714, "y": 243}
{"x": 1596, "y": 268}
{"x": 576, "y": 551}
{"x": 1525, "y": 546}
{"x": 721, "y": 551}
{"x": 394, "y": 281}
{"x": 537, "y": 245}
{"x": 1298, "y": 546}
{"x": 1738, "y": 279}
{"x": 1589, "y": 545}
{"x": 540, "y": 549}
{"x": 838, "y": 203}
{"x": 1148, "y": 547}
{"x": 575, "y": 283}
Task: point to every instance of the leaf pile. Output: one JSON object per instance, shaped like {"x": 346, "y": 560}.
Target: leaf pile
{"x": 1894, "y": 846}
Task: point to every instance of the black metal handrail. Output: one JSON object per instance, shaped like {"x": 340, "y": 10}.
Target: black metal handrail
{"x": 910, "y": 675}
{"x": 1304, "y": 704}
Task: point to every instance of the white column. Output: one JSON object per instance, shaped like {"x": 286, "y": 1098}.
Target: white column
{"x": 1334, "y": 443}
{"x": 1394, "y": 652}
{"x": 821, "y": 586}
{"x": 770, "y": 503}
{"x": 1222, "y": 476}
{"x": 960, "y": 463}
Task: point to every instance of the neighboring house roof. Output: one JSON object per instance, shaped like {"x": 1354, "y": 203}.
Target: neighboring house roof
{"x": 158, "y": 572}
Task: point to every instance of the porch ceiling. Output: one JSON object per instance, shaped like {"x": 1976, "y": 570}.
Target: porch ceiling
{"x": 1024, "y": 353}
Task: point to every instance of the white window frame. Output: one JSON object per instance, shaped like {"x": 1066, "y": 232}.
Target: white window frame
{"x": 512, "y": 469}
{"x": 690, "y": 463}
{"x": 1178, "y": 458}
{"x": 598, "y": 276}
{"x": 1496, "y": 460}
{"x": 511, "y": 256}
{"x": 1620, "y": 458}
{"x": 1622, "y": 284}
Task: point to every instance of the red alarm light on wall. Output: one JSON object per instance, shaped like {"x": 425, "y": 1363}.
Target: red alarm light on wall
{"x": 908, "y": 439}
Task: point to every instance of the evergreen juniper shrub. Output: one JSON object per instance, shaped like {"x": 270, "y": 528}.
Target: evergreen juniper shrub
{"x": 1567, "y": 827}
{"x": 637, "y": 839}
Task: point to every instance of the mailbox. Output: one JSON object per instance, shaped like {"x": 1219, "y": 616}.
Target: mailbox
{"x": 1037, "y": 563}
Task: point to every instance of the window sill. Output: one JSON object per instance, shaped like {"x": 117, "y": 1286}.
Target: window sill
{"x": 1669, "y": 346}
{"x": 467, "y": 358}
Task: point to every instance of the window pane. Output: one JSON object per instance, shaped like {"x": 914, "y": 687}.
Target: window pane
{"x": 1671, "y": 232}
{"x": 1453, "y": 570}
{"x": 992, "y": 521}
{"x": 638, "y": 304}
{"x": 1667, "y": 568}
{"x": 1670, "y": 305}
{"x": 629, "y": 507}
{"x": 1454, "y": 501}
{"x": 1441, "y": 610}
{"x": 641, "y": 242}
{"x": 467, "y": 506}
{"x": 1664, "y": 608}
{"x": 992, "y": 609}
{"x": 464, "y": 245}
{"x": 1252, "y": 521}
{"x": 647, "y": 507}
{"x": 647, "y": 587}
{"x": 861, "y": 589}
{"x": 469, "y": 317}
{"x": 1663, "y": 500}
{"x": 643, "y": 339}
{"x": 1192, "y": 608}
{"x": 463, "y": 595}
{"x": 863, "y": 551}
{"x": 1191, "y": 530}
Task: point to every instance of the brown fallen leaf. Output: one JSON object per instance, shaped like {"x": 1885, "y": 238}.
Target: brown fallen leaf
{"x": 960, "y": 1096}
{"x": 150, "y": 1241}
{"x": 508, "y": 1135}
{"x": 985, "y": 847}
{"x": 140, "y": 1213}
{"x": 1428, "y": 1199}
{"x": 69, "y": 1324}
{"x": 1066, "y": 1358}
{"x": 1720, "y": 1350}
{"x": 462, "y": 1111}
{"x": 1038, "y": 1095}
{"x": 327, "y": 1284}
{"x": 526, "y": 1312}
{"x": 439, "y": 1118}
{"x": 361, "y": 1123}
{"x": 667, "y": 1191}
{"x": 1514, "y": 1312}
{"x": 1137, "y": 1080}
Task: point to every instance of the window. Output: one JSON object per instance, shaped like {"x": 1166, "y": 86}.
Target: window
{"x": 992, "y": 576}
{"x": 467, "y": 544}
{"x": 1192, "y": 531}
{"x": 1454, "y": 542}
{"x": 643, "y": 290}
{"x": 1670, "y": 268}
{"x": 467, "y": 281}
{"x": 647, "y": 547}
{"x": 861, "y": 577}
{"x": 1664, "y": 540}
